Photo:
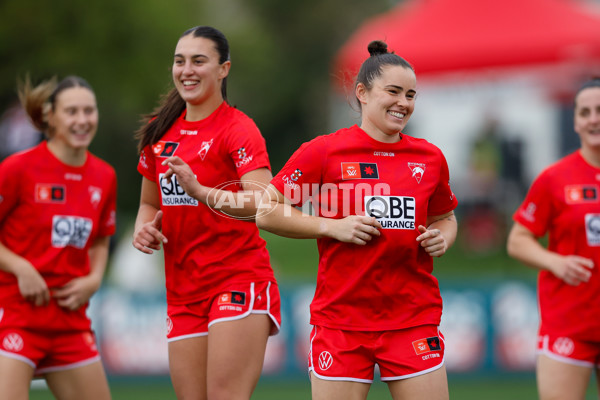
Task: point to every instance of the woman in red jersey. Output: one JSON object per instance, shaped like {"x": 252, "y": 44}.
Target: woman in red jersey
{"x": 204, "y": 165}
{"x": 382, "y": 208}
{"x": 564, "y": 202}
{"x": 57, "y": 213}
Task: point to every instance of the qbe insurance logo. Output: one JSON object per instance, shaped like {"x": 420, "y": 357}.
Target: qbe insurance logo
{"x": 392, "y": 212}
{"x": 70, "y": 231}
{"x": 231, "y": 197}
{"x": 172, "y": 193}
{"x": 592, "y": 229}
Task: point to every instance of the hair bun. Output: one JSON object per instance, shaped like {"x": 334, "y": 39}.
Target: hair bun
{"x": 377, "y": 47}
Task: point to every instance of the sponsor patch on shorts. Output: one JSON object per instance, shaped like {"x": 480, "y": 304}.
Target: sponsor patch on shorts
{"x": 238, "y": 298}
{"x": 426, "y": 345}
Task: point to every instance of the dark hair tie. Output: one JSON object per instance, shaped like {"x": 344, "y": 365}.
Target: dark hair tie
{"x": 377, "y": 47}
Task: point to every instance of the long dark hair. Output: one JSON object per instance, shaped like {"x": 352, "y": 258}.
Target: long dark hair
{"x": 156, "y": 124}
{"x": 371, "y": 67}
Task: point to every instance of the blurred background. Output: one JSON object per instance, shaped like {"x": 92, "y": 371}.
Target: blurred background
{"x": 495, "y": 88}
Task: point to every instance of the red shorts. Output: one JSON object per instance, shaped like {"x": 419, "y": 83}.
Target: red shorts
{"x": 568, "y": 350}
{"x": 234, "y": 301}
{"x": 49, "y": 351}
{"x": 352, "y": 355}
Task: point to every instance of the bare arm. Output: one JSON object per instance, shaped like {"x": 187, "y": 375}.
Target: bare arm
{"x": 525, "y": 247}
{"x": 148, "y": 223}
{"x": 242, "y": 204}
{"x": 78, "y": 291}
{"x": 31, "y": 284}
{"x": 439, "y": 234}
{"x": 278, "y": 216}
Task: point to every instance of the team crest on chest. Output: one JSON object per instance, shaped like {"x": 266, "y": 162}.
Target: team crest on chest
{"x": 418, "y": 170}
{"x": 95, "y": 195}
{"x": 204, "y": 147}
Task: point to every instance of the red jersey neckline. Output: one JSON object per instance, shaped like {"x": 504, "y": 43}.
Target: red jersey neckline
{"x": 376, "y": 142}
{"x": 44, "y": 146}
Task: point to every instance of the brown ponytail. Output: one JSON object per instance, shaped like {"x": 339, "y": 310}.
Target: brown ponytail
{"x": 38, "y": 100}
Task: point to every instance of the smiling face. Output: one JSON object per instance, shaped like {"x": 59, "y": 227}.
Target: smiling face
{"x": 74, "y": 119}
{"x": 587, "y": 118}
{"x": 197, "y": 73}
{"x": 388, "y": 105}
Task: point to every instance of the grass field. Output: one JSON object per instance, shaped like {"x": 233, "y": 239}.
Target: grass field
{"x": 461, "y": 388}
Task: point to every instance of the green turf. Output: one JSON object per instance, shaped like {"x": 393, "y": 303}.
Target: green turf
{"x": 462, "y": 388}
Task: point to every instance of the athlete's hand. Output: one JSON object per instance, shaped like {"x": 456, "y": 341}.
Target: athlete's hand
{"x": 355, "y": 229}
{"x": 185, "y": 176}
{"x": 76, "y": 292}
{"x": 432, "y": 241}
{"x": 149, "y": 236}
{"x": 32, "y": 286}
{"x": 573, "y": 270}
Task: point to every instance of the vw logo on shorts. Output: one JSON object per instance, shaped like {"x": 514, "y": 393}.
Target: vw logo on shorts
{"x": 13, "y": 342}
{"x": 563, "y": 346}
{"x": 325, "y": 360}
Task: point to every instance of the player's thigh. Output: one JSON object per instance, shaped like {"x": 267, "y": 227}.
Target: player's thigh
{"x": 187, "y": 366}
{"x": 236, "y": 343}
{"x": 85, "y": 382}
{"x": 430, "y": 386}
{"x": 561, "y": 380}
{"x": 323, "y": 389}
{"x": 15, "y": 378}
